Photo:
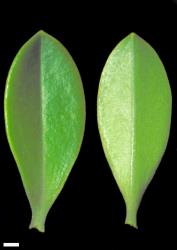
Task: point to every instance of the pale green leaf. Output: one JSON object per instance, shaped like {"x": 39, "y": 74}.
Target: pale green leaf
{"x": 134, "y": 114}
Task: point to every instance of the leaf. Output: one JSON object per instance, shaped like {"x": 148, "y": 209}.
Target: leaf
{"x": 134, "y": 113}
{"x": 45, "y": 119}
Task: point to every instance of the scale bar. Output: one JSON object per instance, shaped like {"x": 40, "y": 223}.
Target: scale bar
{"x": 13, "y": 244}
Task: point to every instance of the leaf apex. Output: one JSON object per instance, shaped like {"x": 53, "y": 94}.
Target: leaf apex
{"x": 133, "y": 36}
{"x": 41, "y": 33}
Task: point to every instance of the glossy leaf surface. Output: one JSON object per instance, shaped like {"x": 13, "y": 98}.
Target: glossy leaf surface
{"x": 45, "y": 119}
{"x": 134, "y": 114}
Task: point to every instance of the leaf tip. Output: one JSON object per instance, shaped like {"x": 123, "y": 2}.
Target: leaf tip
{"x": 133, "y": 36}
{"x": 41, "y": 33}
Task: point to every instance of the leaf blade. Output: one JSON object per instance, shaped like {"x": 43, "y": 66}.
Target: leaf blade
{"x": 134, "y": 112}
{"x": 57, "y": 131}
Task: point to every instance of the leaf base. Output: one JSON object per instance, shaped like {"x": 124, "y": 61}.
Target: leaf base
{"x": 38, "y": 223}
{"x": 131, "y": 219}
